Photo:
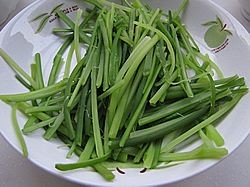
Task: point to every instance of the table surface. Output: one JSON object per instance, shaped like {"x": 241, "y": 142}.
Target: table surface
{"x": 16, "y": 171}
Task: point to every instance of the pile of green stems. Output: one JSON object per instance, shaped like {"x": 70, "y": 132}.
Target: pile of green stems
{"x": 138, "y": 95}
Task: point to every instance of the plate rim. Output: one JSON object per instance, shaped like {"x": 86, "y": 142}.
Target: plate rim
{"x": 237, "y": 26}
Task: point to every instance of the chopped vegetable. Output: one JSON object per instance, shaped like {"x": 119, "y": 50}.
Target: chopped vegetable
{"x": 130, "y": 100}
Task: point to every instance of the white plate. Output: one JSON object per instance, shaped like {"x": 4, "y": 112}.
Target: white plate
{"x": 232, "y": 56}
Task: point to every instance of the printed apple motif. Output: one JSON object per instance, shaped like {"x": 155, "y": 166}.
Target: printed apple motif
{"x": 216, "y": 33}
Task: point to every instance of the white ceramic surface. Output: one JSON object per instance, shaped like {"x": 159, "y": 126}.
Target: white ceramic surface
{"x": 16, "y": 32}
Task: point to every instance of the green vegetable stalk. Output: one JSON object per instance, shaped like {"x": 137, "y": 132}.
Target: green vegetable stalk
{"x": 129, "y": 101}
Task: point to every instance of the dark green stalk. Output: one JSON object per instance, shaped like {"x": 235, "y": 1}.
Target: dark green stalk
{"x": 39, "y": 78}
{"x": 39, "y": 125}
{"x": 95, "y": 118}
{"x": 37, "y": 94}
{"x": 82, "y": 164}
{"x": 23, "y": 82}
{"x": 58, "y": 59}
{"x": 68, "y": 120}
{"x": 85, "y": 38}
{"x": 43, "y": 109}
{"x": 31, "y": 120}
{"x": 80, "y": 119}
{"x": 106, "y": 52}
{"x": 18, "y": 131}
{"x": 138, "y": 111}
{"x": 182, "y": 68}
{"x": 223, "y": 110}
{"x": 52, "y": 129}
